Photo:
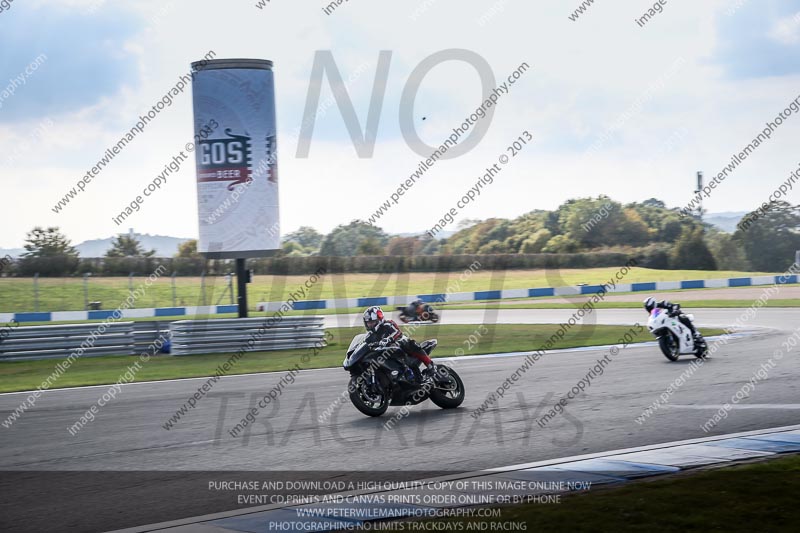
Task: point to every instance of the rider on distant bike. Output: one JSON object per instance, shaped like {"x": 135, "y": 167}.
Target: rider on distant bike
{"x": 675, "y": 311}
{"x": 386, "y": 332}
{"x": 411, "y": 309}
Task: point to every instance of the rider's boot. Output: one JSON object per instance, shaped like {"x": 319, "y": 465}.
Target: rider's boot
{"x": 698, "y": 339}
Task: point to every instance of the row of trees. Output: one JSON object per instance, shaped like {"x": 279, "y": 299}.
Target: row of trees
{"x": 648, "y": 229}
{"x": 661, "y": 237}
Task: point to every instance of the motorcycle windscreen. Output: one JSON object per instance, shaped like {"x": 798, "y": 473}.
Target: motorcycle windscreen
{"x": 358, "y": 339}
{"x": 358, "y": 354}
{"x": 429, "y": 345}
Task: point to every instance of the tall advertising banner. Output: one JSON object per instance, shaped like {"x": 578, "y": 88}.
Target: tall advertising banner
{"x": 236, "y": 157}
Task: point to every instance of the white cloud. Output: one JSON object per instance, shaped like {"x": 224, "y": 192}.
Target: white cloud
{"x": 787, "y": 30}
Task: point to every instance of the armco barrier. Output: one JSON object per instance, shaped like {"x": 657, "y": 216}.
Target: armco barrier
{"x": 146, "y": 332}
{"x": 47, "y": 342}
{"x": 166, "y": 312}
{"x": 230, "y": 335}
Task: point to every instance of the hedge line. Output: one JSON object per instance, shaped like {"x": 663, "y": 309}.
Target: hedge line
{"x": 364, "y": 264}
{"x": 434, "y": 263}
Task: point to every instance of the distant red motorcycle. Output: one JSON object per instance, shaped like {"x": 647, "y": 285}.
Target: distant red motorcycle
{"x": 418, "y": 311}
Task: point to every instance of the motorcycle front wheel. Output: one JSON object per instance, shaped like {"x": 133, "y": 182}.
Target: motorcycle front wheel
{"x": 369, "y": 402}
{"x": 669, "y": 346}
{"x": 450, "y": 393}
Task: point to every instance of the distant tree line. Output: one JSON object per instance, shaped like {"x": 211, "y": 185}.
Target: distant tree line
{"x": 581, "y": 233}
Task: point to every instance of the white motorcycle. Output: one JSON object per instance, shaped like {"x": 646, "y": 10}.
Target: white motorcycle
{"x": 674, "y": 338}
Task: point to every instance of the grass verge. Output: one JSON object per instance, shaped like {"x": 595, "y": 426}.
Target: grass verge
{"x": 689, "y": 304}
{"x": 27, "y": 375}
{"x": 752, "y": 497}
{"x": 67, "y": 294}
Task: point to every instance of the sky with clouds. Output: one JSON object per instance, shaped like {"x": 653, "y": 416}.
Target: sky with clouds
{"x": 683, "y": 93}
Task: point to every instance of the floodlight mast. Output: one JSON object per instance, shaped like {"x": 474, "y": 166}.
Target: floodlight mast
{"x": 698, "y": 194}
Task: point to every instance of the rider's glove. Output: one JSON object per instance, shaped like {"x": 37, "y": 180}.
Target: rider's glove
{"x": 385, "y": 342}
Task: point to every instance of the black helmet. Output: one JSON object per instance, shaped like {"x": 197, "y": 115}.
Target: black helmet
{"x": 650, "y": 304}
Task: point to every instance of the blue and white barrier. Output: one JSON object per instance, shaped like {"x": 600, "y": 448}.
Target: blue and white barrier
{"x": 346, "y": 303}
{"x": 543, "y": 292}
{"x": 71, "y": 316}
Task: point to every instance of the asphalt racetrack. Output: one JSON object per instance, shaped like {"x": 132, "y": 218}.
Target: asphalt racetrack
{"x": 128, "y": 433}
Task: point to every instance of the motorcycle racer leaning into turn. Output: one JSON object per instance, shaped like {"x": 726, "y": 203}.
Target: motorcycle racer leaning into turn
{"x": 411, "y": 309}
{"x": 674, "y": 310}
{"x": 385, "y": 332}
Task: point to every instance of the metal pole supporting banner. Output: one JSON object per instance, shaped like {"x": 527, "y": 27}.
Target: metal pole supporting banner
{"x": 241, "y": 287}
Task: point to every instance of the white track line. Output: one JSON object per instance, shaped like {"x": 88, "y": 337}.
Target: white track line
{"x": 739, "y": 406}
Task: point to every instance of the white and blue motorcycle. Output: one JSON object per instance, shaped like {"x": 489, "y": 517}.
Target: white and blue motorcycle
{"x": 674, "y": 338}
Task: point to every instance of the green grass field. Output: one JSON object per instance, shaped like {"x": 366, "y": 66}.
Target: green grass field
{"x": 27, "y": 375}
{"x": 67, "y": 294}
{"x": 691, "y": 304}
{"x": 746, "y": 498}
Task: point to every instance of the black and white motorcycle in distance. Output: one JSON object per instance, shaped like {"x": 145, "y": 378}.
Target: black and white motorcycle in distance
{"x": 380, "y": 377}
{"x": 674, "y": 338}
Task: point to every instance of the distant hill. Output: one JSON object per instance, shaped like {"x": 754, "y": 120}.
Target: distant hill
{"x": 724, "y": 221}
{"x": 164, "y": 246}
{"x": 13, "y": 252}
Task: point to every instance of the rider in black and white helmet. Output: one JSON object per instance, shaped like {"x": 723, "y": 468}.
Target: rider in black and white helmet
{"x": 674, "y": 310}
{"x": 385, "y": 332}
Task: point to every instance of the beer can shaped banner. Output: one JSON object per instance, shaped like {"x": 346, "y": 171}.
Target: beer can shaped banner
{"x": 236, "y": 157}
